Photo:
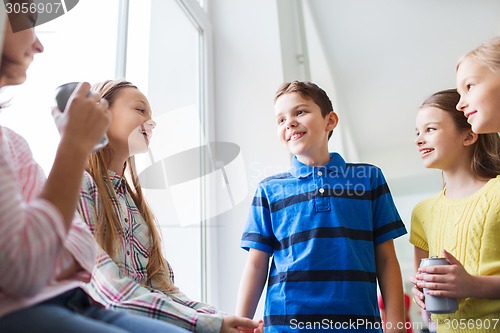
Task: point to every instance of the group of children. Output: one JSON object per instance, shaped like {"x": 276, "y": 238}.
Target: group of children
{"x": 323, "y": 247}
{"x": 461, "y": 223}
{"x": 329, "y": 248}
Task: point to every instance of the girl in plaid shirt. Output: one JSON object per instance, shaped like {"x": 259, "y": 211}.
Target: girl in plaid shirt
{"x": 131, "y": 273}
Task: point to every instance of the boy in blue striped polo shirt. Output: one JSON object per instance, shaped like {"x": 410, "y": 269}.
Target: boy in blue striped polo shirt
{"x": 328, "y": 227}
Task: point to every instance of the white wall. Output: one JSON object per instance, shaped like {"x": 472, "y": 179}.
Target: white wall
{"x": 247, "y": 73}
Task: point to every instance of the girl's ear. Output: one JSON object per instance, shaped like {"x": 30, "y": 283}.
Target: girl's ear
{"x": 470, "y": 138}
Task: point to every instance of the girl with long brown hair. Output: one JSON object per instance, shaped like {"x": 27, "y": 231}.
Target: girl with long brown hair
{"x": 131, "y": 272}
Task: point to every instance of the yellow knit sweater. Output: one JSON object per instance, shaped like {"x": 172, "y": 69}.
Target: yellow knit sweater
{"x": 469, "y": 229}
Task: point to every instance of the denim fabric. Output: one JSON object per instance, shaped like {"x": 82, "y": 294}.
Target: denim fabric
{"x": 75, "y": 312}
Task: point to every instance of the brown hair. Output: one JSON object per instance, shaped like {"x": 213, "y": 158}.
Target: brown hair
{"x": 308, "y": 90}
{"x": 108, "y": 229}
{"x": 485, "y": 162}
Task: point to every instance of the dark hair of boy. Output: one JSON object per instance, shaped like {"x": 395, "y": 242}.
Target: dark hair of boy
{"x": 308, "y": 90}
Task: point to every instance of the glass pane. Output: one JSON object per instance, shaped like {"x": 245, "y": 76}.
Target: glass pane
{"x": 75, "y": 50}
{"x": 165, "y": 65}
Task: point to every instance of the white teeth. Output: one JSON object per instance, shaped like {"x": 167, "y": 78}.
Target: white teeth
{"x": 295, "y": 136}
{"x": 426, "y": 151}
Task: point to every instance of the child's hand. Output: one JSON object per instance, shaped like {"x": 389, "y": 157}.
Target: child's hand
{"x": 246, "y": 330}
{"x": 259, "y": 329}
{"x": 85, "y": 119}
{"x": 236, "y": 324}
{"x": 418, "y": 293}
{"x": 446, "y": 280}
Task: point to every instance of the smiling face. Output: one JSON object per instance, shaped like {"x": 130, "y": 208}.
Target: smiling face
{"x": 131, "y": 127}
{"x": 479, "y": 89}
{"x": 19, "y": 48}
{"x": 302, "y": 128}
{"x": 440, "y": 143}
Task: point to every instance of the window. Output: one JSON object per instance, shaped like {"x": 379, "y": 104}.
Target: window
{"x": 166, "y": 59}
{"x": 71, "y": 54}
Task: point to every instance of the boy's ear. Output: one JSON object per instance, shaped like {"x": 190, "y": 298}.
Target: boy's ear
{"x": 333, "y": 120}
{"x": 470, "y": 138}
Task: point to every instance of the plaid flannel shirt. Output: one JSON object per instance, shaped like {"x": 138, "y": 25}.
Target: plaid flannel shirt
{"x": 121, "y": 284}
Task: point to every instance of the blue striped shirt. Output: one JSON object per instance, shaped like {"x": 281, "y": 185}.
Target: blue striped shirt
{"x": 321, "y": 226}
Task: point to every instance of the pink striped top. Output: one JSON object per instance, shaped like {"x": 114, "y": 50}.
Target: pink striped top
{"x": 34, "y": 245}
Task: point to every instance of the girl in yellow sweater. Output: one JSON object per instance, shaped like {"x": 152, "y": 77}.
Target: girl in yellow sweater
{"x": 462, "y": 222}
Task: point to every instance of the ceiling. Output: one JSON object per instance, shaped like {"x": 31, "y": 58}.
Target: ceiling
{"x": 384, "y": 57}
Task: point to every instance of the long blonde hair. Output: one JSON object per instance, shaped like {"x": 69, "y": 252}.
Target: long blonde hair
{"x": 108, "y": 228}
{"x": 488, "y": 54}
